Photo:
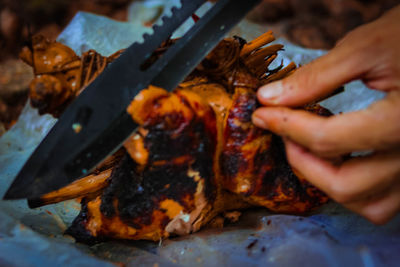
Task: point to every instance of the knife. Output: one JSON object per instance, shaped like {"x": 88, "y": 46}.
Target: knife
{"x": 66, "y": 154}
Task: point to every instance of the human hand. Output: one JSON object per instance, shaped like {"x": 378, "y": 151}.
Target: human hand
{"x": 368, "y": 185}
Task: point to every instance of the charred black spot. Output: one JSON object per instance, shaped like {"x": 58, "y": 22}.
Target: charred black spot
{"x": 78, "y": 228}
{"x": 41, "y": 105}
{"x": 229, "y": 163}
{"x": 252, "y": 244}
{"x": 204, "y": 163}
{"x": 241, "y": 40}
{"x": 139, "y": 190}
{"x": 136, "y": 206}
{"x": 209, "y": 64}
{"x": 139, "y": 193}
{"x": 127, "y": 187}
{"x": 165, "y": 222}
{"x": 318, "y": 110}
{"x": 281, "y": 175}
{"x": 123, "y": 173}
{"x": 165, "y": 144}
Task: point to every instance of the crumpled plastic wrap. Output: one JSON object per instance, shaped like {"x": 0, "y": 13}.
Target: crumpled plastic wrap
{"x": 332, "y": 236}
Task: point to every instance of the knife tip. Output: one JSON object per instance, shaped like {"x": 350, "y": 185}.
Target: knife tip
{"x": 16, "y": 191}
{"x": 19, "y": 190}
{"x": 11, "y": 195}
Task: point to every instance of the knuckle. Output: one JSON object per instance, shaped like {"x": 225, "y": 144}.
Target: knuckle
{"x": 321, "y": 144}
{"x": 318, "y": 144}
{"x": 340, "y": 192}
{"x": 376, "y": 218}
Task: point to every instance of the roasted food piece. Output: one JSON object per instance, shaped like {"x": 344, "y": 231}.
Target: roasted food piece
{"x": 60, "y": 75}
{"x": 196, "y": 154}
{"x": 166, "y": 184}
{"x": 253, "y": 163}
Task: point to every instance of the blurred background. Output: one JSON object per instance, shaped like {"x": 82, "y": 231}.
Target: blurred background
{"x": 308, "y": 23}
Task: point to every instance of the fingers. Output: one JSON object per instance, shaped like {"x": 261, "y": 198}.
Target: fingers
{"x": 379, "y": 210}
{"x": 300, "y": 126}
{"x": 370, "y": 52}
{"x": 369, "y": 185}
{"x": 355, "y": 181}
{"x": 316, "y": 79}
{"x": 375, "y": 128}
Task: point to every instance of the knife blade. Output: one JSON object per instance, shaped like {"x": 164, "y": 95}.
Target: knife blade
{"x": 100, "y": 110}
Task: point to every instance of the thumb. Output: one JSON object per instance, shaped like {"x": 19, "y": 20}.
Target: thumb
{"x": 316, "y": 79}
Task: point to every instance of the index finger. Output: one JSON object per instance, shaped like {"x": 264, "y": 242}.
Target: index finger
{"x": 376, "y": 127}
{"x": 314, "y": 80}
{"x": 349, "y": 60}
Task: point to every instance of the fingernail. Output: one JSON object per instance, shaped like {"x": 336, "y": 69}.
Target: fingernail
{"x": 259, "y": 122}
{"x": 271, "y": 92}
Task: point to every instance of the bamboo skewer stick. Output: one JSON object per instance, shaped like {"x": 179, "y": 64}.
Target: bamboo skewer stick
{"x": 82, "y": 187}
{"x": 258, "y": 57}
{"x": 280, "y": 74}
{"x": 257, "y": 43}
{"x": 261, "y": 69}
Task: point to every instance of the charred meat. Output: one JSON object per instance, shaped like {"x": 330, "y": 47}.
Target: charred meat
{"x": 196, "y": 153}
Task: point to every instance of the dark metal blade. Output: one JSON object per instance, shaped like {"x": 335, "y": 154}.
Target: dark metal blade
{"x": 65, "y": 155}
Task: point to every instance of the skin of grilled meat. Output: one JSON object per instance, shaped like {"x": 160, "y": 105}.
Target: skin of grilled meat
{"x": 197, "y": 153}
{"x": 166, "y": 182}
{"x": 253, "y": 163}
{"x": 60, "y": 75}
{"x": 56, "y": 68}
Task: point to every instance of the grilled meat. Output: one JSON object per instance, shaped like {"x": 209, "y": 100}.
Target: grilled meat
{"x": 60, "y": 75}
{"x": 195, "y": 155}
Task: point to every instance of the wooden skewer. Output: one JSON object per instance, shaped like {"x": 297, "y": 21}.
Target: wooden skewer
{"x": 82, "y": 187}
{"x": 270, "y": 59}
{"x": 257, "y": 43}
{"x": 290, "y": 73}
{"x": 261, "y": 69}
{"x": 280, "y": 74}
{"x": 258, "y": 58}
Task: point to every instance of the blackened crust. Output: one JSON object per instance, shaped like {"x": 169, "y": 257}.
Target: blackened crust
{"x": 78, "y": 228}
